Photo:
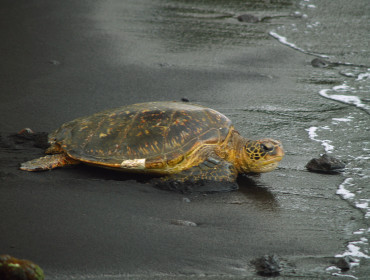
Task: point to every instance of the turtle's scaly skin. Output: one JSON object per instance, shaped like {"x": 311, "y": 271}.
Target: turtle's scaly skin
{"x": 16, "y": 269}
{"x": 49, "y": 162}
{"x": 163, "y": 138}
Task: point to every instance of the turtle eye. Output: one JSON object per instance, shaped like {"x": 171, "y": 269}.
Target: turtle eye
{"x": 266, "y": 148}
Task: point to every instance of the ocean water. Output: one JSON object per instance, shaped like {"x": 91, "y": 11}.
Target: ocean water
{"x": 342, "y": 46}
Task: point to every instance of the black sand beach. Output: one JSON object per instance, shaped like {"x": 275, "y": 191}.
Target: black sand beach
{"x": 62, "y": 60}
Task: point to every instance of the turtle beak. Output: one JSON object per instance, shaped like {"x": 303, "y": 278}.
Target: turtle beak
{"x": 279, "y": 151}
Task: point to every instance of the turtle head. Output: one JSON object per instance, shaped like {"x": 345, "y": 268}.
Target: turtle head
{"x": 261, "y": 155}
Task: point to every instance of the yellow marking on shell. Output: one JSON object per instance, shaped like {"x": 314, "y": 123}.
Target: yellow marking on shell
{"x": 174, "y": 142}
{"x": 175, "y": 160}
{"x": 156, "y": 145}
{"x": 154, "y": 148}
{"x": 143, "y": 151}
{"x": 159, "y": 164}
{"x": 133, "y": 163}
{"x": 101, "y": 135}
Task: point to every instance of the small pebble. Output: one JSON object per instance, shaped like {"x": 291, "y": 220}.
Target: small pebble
{"x": 320, "y": 63}
{"x": 184, "y": 99}
{"x": 185, "y": 199}
{"x": 183, "y": 223}
{"x": 248, "y": 18}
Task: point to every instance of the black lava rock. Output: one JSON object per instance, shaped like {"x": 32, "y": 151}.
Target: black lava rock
{"x": 268, "y": 265}
{"x": 16, "y": 269}
{"x": 345, "y": 263}
{"x": 325, "y": 164}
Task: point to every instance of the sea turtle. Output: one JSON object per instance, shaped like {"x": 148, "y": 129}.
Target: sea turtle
{"x": 182, "y": 142}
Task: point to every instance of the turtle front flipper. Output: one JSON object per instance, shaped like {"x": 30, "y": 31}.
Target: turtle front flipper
{"x": 48, "y": 162}
{"x": 212, "y": 175}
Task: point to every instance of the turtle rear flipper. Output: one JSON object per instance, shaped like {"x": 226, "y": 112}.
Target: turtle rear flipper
{"x": 212, "y": 175}
{"x": 48, "y": 162}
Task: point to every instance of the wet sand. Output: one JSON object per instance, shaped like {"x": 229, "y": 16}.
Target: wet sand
{"x": 65, "y": 60}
